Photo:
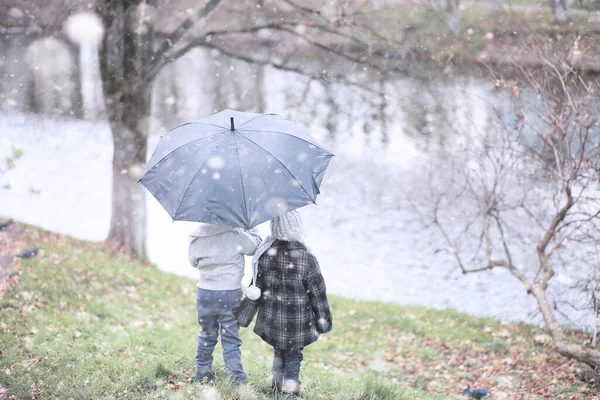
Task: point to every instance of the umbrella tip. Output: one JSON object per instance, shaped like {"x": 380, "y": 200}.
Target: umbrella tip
{"x": 232, "y": 124}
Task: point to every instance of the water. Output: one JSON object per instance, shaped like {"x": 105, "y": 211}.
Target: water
{"x": 370, "y": 243}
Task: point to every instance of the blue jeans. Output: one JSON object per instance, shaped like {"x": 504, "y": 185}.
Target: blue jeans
{"x": 286, "y": 370}
{"x": 215, "y": 311}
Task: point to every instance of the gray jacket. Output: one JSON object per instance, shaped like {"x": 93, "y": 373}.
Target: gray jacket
{"x": 218, "y": 253}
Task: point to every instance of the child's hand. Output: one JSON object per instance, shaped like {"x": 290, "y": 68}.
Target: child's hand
{"x": 323, "y": 325}
{"x": 245, "y": 313}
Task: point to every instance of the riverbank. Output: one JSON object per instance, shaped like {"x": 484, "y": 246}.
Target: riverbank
{"x": 521, "y": 35}
{"x": 84, "y": 320}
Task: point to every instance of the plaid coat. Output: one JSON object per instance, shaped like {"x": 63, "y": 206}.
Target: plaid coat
{"x": 293, "y": 308}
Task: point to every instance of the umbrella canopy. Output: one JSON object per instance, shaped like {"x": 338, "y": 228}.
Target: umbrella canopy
{"x": 235, "y": 169}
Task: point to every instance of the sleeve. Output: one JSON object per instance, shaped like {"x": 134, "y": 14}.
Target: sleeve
{"x": 192, "y": 254}
{"x": 250, "y": 239}
{"x": 246, "y": 312}
{"x": 317, "y": 295}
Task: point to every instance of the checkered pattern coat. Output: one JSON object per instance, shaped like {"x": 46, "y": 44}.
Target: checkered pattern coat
{"x": 293, "y": 309}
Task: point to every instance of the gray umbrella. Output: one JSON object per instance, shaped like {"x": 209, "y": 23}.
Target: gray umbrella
{"x": 236, "y": 169}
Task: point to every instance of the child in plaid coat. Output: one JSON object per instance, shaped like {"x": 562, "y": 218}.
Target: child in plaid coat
{"x": 290, "y": 298}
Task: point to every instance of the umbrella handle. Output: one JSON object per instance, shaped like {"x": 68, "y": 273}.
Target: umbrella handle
{"x": 232, "y": 124}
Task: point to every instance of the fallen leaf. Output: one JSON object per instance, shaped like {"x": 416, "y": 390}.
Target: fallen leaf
{"x": 29, "y": 363}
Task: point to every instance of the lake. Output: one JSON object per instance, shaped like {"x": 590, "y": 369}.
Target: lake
{"x": 370, "y": 243}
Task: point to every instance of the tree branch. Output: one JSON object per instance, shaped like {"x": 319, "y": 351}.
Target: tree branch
{"x": 159, "y": 54}
{"x": 314, "y": 76}
{"x": 550, "y": 233}
{"x": 202, "y": 42}
{"x": 307, "y": 10}
{"x": 282, "y": 27}
{"x": 332, "y": 50}
{"x": 558, "y": 218}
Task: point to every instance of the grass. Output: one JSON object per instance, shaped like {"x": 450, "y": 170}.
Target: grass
{"x": 88, "y": 322}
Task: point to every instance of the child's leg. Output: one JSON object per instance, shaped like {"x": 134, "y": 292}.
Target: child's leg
{"x": 207, "y": 338}
{"x": 278, "y": 368}
{"x": 291, "y": 372}
{"x": 230, "y": 335}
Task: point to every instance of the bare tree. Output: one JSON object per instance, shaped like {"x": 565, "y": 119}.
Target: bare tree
{"x": 132, "y": 55}
{"x": 524, "y": 194}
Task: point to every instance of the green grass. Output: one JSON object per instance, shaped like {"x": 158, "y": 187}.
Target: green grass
{"x": 85, "y": 322}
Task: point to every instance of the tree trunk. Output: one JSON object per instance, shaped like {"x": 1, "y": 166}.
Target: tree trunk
{"x": 334, "y": 111}
{"x": 128, "y": 221}
{"x": 260, "y": 89}
{"x": 453, "y": 15}
{"x": 78, "y": 106}
{"x": 126, "y": 49}
{"x": 382, "y": 112}
{"x": 498, "y": 6}
{"x": 561, "y": 345}
{"x": 434, "y": 5}
{"x": 560, "y": 10}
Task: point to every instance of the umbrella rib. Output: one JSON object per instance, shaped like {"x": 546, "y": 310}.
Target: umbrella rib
{"x": 286, "y": 168}
{"x": 175, "y": 149}
{"x": 196, "y": 122}
{"x": 252, "y": 119}
{"x": 262, "y": 177}
{"x": 266, "y": 115}
{"x": 294, "y": 136}
{"x": 194, "y": 177}
{"x": 237, "y": 152}
{"x": 205, "y": 123}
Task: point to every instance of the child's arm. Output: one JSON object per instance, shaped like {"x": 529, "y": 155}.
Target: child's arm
{"x": 246, "y": 312}
{"x": 248, "y": 308}
{"x": 250, "y": 239}
{"x": 317, "y": 295}
{"x": 192, "y": 254}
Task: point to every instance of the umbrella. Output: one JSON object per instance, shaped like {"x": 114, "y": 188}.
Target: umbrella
{"x": 235, "y": 169}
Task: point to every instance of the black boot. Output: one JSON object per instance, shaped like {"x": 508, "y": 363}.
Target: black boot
{"x": 276, "y": 385}
{"x": 205, "y": 378}
{"x": 277, "y": 370}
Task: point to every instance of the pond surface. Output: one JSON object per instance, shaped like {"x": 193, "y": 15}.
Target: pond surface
{"x": 369, "y": 243}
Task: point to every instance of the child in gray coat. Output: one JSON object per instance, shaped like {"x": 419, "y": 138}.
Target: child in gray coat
{"x": 218, "y": 253}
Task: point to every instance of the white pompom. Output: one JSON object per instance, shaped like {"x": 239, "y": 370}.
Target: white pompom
{"x": 253, "y": 292}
